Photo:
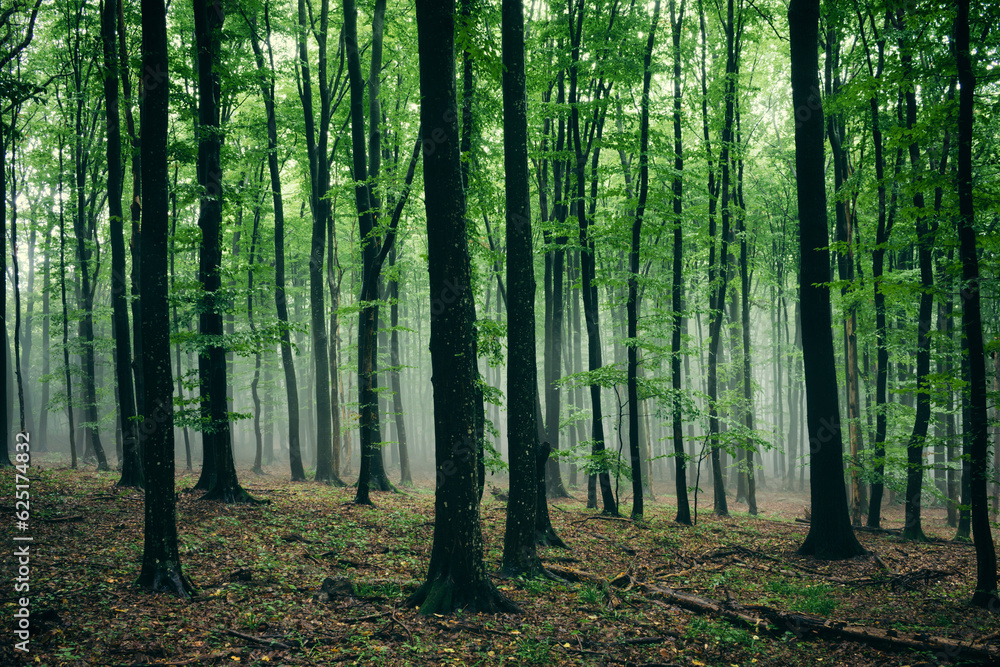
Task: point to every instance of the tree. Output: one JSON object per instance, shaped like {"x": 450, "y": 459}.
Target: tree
{"x": 161, "y": 565}
{"x": 677, "y": 286}
{"x": 976, "y": 426}
{"x": 280, "y": 295}
{"x": 519, "y": 554}
{"x": 588, "y": 261}
{"x": 925, "y": 242}
{"x": 85, "y": 230}
{"x": 131, "y": 464}
{"x": 830, "y": 533}
{"x": 633, "y": 276}
{"x": 456, "y": 574}
{"x": 319, "y": 204}
{"x": 718, "y": 269}
{"x": 221, "y": 483}
{"x": 372, "y": 468}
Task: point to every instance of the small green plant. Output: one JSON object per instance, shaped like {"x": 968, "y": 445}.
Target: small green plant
{"x": 717, "y": 632}
{"x": 810, "y": 599}
{"x": 590, "y": 595}
{"x": 250, "y": 620}
{"x": 533, "y": 652}
{"x": 535, "y": 586}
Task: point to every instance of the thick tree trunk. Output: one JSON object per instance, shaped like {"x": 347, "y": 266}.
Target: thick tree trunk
{"x": 519, "y": 553}
{"x": 830, "y": 534}
{"x": 224, "y": 485}
{"x": 161, "y": 565}
{"x": 456, "y": 577}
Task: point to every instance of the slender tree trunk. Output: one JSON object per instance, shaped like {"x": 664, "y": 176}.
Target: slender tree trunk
{"x": 319, "y": 173}
{"x": 65, "y": 320}
{"x": 87, "y": 262}
{"x": 976, "y": 427}
{"x": 406, "y": 479}
{"x": 131, "y": 464}
{"x": 632, "y": 305}
{"x": 588, "y": 263}
{"x": 365, "y": 204}
{"x": 912, "y": 529}
{"x": 280, "y": 297}
{"x": 677, "y": 287}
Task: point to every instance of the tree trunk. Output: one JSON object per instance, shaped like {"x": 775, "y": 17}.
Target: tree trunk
{"x": 280, "y": 298}
{"x": 319, "y": 204}
{"x": 588, "y": 263}
{"x": 405, "y": 478}
{"x": 65, "y": 321}
{"x": 456, "y": 577}
{"x": 912, "y": 529}
{"x": 520, "y": 557}
{"x": 677, "y": 287}
{"x": 830, "y": 534}
{"x": 224, "y": 485}
{"x": 87, "y": 261}
{"x": 161, "y": 565}
{"x": 632, "y": 305}
{"x": 372, "y": 469}
{"x": 976, "y": 427}
{"x": 131, "y": 463}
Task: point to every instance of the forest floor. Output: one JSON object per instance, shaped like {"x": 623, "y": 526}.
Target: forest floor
{"x": 629, "y": 595}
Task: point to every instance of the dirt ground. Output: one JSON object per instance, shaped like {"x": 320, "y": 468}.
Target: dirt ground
{"x": 626, "y": 593}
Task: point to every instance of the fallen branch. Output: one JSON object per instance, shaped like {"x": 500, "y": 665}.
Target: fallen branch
{"x": 602, "y": 517}
{"x": 370, "y": 617}
{"x": 802, "y": 625}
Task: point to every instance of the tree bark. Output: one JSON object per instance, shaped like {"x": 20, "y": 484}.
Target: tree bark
{"x": 223, "y": 484}
{"x": 161, "y": 565}
{"x": 405, "y": 477}
{"x": 131, "y": 463}
{"x": 677, "y": 287}
{"x": 588, "y": 263}
{"x": 830, "y": 534}
{"x": 456, "y": 577}
{"x": 280, "y": 298}
{"x": 632, "y": 305}
{"x": 976, "y": 427}
{"x": 912, "y": 529}
{"x": 520, "y": 557}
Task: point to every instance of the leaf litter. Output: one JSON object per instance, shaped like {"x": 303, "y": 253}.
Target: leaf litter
{"x": 311, "y": 579}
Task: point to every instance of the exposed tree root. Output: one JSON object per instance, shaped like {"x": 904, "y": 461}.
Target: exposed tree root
{"x": 166, "y": 577}
{"x": 442, "y": 595}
